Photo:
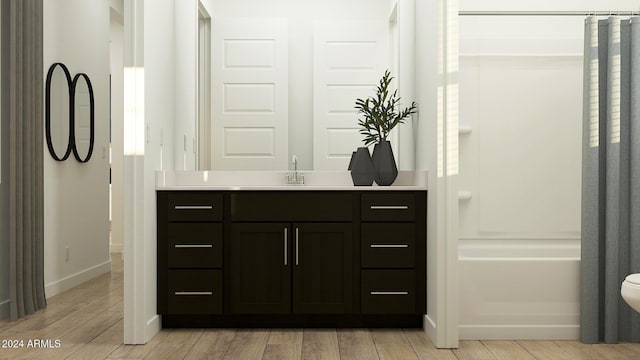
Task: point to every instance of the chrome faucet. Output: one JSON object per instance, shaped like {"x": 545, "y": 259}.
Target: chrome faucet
{"x": 295, "y": 178}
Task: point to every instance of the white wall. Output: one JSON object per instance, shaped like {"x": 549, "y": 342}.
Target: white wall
{"x": 117, "y": 6}
{"x": 4, "y": 173}
{"x": 76, "y": 195}
{"x": 406, "y": 80}
{"x": 186, "y": 82}
{"x": 300, "y": 15}
{"x": 520, "y": 230}
{"x": 149, "y": 112}
{"x": 159, "y": 110}
{"x": 133, "y": 167}
{"x": 116, "y": 36}
{"x": 436, "y": 152}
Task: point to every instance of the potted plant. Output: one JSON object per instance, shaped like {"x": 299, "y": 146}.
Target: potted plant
{"x": 380, "y": 115}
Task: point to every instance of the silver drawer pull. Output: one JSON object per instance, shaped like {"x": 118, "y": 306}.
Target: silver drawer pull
{"x": 187, "y": 246}
{"x": 389, "y": 246}
{"x": 193, "y": 293}
{"x": 389, "y": 207}
{"x": 389, "y": 293}
{"x": 286, "y": 242}
{"x": 297, "y": 236}
{"x": 193, "y": 207}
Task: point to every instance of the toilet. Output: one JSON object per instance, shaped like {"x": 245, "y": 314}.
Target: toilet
{"x": 630, "y": 291}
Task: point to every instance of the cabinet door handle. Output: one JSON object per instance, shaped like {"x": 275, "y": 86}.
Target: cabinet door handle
{"x": 286, "y": 240}
{"x": 389, "y": 245}
{"x": 389, "y": 293}
{"x": 193, "y": 293}
{"x": 297, "y": 246}
{"x": 189, "y": 246}
{"x": 389, "y": 207}
{"x": 193, "y": 207}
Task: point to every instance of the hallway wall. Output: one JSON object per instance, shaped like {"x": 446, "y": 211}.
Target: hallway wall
{"x": 116, "y": 37}
{"x": 76, "y": 195}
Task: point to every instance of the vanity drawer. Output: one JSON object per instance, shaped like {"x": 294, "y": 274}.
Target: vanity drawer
{"x": 194, "y": 292}
{"x": 388, "y": 207}
{"x": 194, "y": 245}
{"x": 292, "y": 206}
{"x": 388, "y": 292}
{"x": 194, "y": 206}
{"x": 388, "y": 245}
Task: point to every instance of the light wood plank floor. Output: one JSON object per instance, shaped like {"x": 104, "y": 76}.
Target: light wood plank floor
{"x": 87, "y": 320}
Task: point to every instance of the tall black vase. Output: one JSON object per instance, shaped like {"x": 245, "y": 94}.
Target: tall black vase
{"x": 361, "y": 166}
{"x": 384, "y": 163}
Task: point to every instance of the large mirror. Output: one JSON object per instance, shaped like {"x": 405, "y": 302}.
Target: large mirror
{"x": 282, "y": 80}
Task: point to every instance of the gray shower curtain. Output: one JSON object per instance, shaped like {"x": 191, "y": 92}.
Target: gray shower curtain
{"x": 610, "y": 178}
{"x": 25, "y": 102}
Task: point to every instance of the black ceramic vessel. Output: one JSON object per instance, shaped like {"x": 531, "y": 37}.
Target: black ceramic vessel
{"x": 384, "y": 163}
{"x": 361, "y": 166}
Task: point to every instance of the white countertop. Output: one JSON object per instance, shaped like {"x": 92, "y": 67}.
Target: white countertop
{"x": 276, "y": 181}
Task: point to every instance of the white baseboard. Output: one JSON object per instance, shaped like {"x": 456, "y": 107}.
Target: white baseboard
{"x": 116, "y": 248}
{"x": 519, "y": 332}
{"x": 4, "y": 309}
{"x": 153, "y": 327}
{"x": 429, "y": 327}
{"x": 58, "y": 286}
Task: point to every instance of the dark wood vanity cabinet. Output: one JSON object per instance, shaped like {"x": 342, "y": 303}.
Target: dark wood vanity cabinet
{"x": 393, "y": 253}
{"x": 282, "y": 268}
{"x": 304, "y": 239}
{"x": 190, "y": 242}
{"x": 291, "y": 258}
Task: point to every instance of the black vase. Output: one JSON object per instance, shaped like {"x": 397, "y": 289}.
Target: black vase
{"x": 361, "y": 166}
{"x": 384, "y": 163}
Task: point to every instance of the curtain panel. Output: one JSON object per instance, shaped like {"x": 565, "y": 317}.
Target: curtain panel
{"x": 610, "y": 178}
{"x": 26, "y": 212}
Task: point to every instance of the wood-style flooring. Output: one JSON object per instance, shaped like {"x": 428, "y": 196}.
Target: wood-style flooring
{"x": 87, "y": 322}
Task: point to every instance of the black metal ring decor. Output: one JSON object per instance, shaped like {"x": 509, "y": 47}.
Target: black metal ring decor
{"x": 71, "y": 144}
{"x": 72, "y": 129}
{"x": 47, "y": 112}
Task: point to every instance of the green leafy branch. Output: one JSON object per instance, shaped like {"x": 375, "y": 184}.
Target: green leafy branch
{"x": 379, "y": 114}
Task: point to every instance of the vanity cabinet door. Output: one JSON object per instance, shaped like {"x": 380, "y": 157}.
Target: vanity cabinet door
{"x": 323, "y": 268}
{"x": 260, "y": 268}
